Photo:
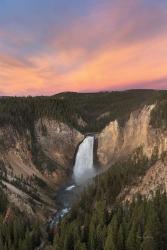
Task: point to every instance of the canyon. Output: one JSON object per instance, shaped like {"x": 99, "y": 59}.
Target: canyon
{"x": 48, "y": 160}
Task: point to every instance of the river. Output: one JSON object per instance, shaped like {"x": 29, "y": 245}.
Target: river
{"x": 83, "y": 171}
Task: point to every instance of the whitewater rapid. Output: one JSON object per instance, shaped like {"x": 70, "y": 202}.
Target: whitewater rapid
{"x": 84, "y": 168}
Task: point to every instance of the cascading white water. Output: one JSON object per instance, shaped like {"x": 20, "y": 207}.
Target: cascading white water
{"x": 83, "y": 168}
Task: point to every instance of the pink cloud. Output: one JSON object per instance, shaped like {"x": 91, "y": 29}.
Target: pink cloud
{"x": 115, "y": 46}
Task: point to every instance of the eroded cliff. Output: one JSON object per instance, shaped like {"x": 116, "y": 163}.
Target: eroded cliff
{"x": 116, "y": 142}
{"x": 58, "y": 141}
{"x": 25, "y": 162}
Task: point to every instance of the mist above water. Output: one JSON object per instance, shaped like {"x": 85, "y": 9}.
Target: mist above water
{"x": 84, "y": 168}
{"x": 82, "y": 172}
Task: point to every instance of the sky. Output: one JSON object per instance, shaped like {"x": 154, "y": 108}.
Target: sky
{"x": 52, "y": 46}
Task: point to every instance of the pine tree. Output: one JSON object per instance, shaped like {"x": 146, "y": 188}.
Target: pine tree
{"x": 110, "y": 243}
{"x": 131, "y": 240}
{"x": 120, "y": 242}
{"x": 148, "y": 242}
{"x": 92, "y": 236}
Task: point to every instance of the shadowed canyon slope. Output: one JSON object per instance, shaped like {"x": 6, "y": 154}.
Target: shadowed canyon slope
{"x": 52, "y": 166}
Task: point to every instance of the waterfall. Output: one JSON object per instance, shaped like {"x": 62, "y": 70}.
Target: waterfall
{"x": 83, "y": 168}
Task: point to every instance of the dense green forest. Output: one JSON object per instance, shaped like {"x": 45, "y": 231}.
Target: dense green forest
{"x": 95, "y": 109}
{"x": 159, "y": 114}
{"x": 141, "y": 225}
{"x": 99, "y": 220}
{"x": 16, "y": 231}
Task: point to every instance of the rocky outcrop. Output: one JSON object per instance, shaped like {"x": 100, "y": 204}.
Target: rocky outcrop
{"x": 15, "y": 154}
{"x": 117, "y": 142}
{"x": 58, "y": 141}
{"x": 154, "y": 179}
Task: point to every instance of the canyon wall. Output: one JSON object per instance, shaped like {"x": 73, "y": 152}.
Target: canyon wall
{"x": 25, "y": 163}
{"x": 116, "y": 142}
{"x": 58, "y": 141}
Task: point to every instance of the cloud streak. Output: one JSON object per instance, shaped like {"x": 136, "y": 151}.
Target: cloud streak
{"x": 112, "y": 46}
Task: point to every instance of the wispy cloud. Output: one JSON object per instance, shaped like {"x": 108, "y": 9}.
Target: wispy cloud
{"x": 114, "y": 45}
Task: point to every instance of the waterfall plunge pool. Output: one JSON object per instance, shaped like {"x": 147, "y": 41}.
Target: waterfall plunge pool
{"x": 83, "y": 171}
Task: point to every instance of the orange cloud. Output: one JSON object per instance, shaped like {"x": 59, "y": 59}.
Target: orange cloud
{"x": 108, "y": 69}
{"x": 121, "y": 66}
{"x": 15, "y": 76}
{"x": 113, "y": 47}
